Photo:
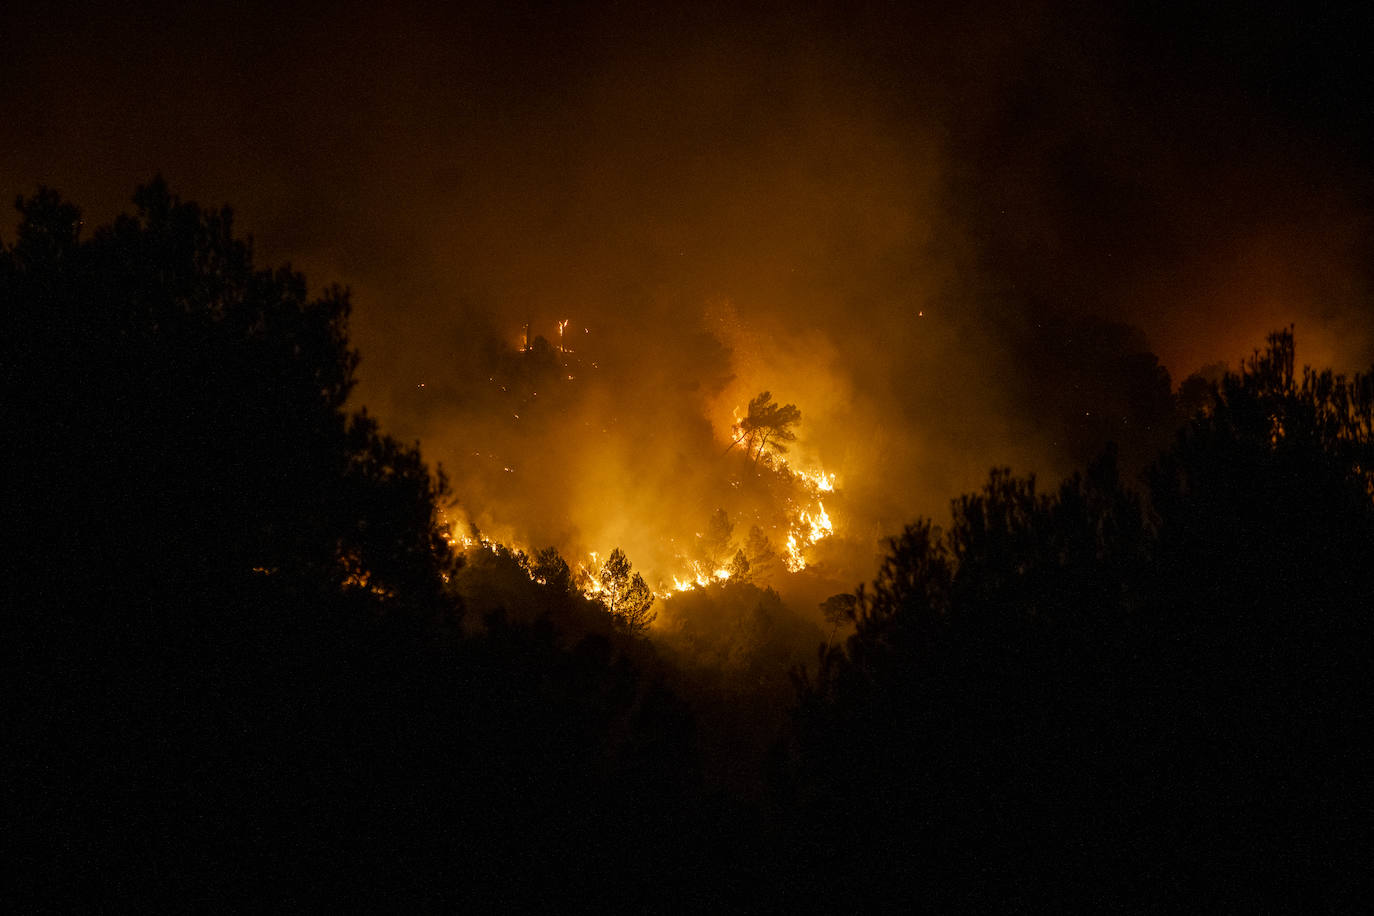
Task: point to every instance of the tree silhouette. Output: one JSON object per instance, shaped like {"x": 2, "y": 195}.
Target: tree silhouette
{"x": 739, "y": 568}
{"x": 238, "y": 658}
{"x": 839, "y": 610}
{"x": 198, "y": 410}
{"x": 625, "y": 593}
{"x": 207, "y": 533}
{"x": 763, "y": 558}
{"x": 551, "y": 569}
{"x": 766, "y": 428}
{"x": 235, "y": 647}
{"x": 1085, "y": 669}
{"x": 717, "y": 543}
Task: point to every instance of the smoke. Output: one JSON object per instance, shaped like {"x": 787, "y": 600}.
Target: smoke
{"x": 953, "y": 238}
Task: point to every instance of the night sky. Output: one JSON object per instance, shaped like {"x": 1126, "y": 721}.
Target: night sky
{"x": 955, "y": 236}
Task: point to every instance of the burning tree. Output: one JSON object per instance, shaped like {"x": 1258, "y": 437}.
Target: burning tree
{"x": 625, "y": 593}
{"x": 766, "y": 426}
{"x": 840, "y": 610}
{"x": 760, "y": 553}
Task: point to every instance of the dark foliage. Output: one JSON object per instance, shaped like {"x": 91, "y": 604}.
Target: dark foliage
{"x": 625, "y": 594}
{"x": 235, "y": 652}
{"x": 1066, "y": 698}
{"x": 242, "y": 674}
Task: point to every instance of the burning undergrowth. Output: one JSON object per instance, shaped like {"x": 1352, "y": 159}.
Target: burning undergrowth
{"x": 576, "y": 449}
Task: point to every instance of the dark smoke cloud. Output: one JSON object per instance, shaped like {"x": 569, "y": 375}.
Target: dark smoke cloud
{"x": 955, "y": 238}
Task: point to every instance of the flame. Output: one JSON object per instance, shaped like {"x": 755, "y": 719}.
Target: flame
{"x": 590, "y": 575}
{"x": 821, "y": 526}
{"x": 808, "y": 529}
{"x": 452, "y": 534}
{"x": 807, "y": 522}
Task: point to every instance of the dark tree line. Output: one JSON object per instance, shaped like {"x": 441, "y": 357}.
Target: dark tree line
{"x": 238, "y": 668}
{"x": 1095, "y": 696}
{"x": 241, "y": 670}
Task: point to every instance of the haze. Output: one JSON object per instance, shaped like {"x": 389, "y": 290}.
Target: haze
{"x": 952, "y": 239}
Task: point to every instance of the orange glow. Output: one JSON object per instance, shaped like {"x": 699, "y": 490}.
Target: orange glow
{"x": 801, "y": 514}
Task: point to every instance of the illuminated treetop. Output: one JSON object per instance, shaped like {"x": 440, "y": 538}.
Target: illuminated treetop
{"x": 767, "y": 427}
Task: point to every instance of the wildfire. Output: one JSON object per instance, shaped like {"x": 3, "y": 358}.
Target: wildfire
{"x": 802, "y": 520}
{"x": 590, "y": 582}
{"x": 806, "y": 528}
{"x": 794, "y": 561}
{"x": 821, "y": 481}
{"x": 700, "y": 577}
{"x": 453, "y": 535}
{"x": 809, "y": 527}
{"x": 821, "y": 526}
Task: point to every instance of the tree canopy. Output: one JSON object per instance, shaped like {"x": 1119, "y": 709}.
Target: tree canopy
{"x": 766, "y": 429}
{"x": 241, "y": 661}
{"x": 238, "y": 666}
{"x": 625, "y": 593}
{"x": 1061, "y": 674}
{"x": 196, "y": 404}
{"x": 717, "y": 542}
